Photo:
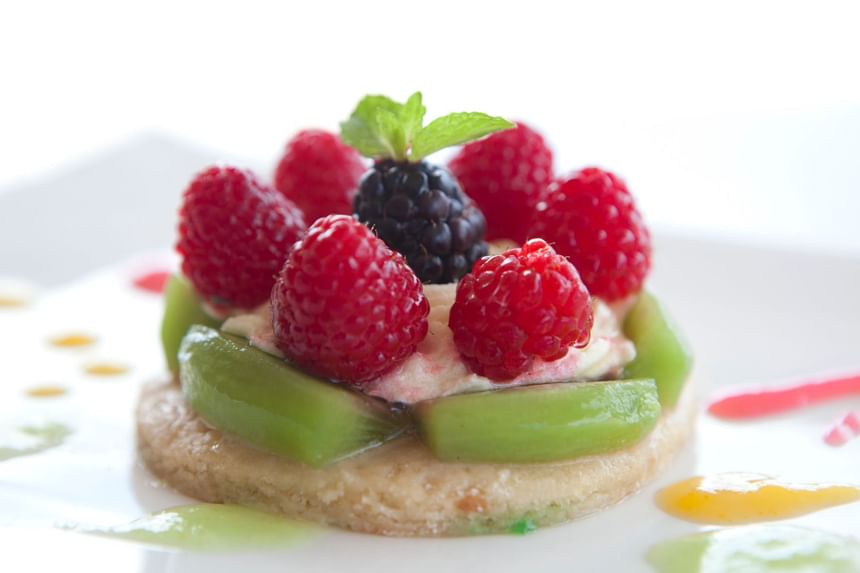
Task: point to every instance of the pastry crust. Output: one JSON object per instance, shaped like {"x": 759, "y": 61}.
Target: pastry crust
{"x": 399, "y": 488}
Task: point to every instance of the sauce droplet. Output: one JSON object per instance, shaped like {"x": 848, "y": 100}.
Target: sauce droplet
{"x": 767, "y": 401}
{"x": 9, "y": 301}
{"x": 153, "y": 281}
{"x": 733, "y": 498}
{"x": 105, "y": 369}
{"x": 761, "y": 548}
{"x": 28, "y": 440}
{"x": 210, "y": 527}
{"x": 847, "y": 428}
{"x": 73, "y": 340}
{"x": 46, "y": 391}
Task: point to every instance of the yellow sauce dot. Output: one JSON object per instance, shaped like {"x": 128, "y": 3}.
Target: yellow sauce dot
{"x": 733, "y": 498}
{"x": 105, "y": 369}
{"x": 74, "y": 340}
{"x": 46, "y": 391}
{"x": 12, "y": 302}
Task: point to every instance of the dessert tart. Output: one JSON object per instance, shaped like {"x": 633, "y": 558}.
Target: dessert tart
{"x": 386, "y": 370}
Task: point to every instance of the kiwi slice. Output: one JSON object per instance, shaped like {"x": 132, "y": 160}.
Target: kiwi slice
{"x": 255, "y": 396}
{"x": 541, "y": 423}
{"x": 182, "y": 308}
{"x": 661, "y": 352}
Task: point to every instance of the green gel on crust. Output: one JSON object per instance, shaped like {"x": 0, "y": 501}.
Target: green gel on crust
{"x": 210, "y": 527}
{"x": 759, "y": 549}
{"x": 28, "y": 440}
{"x": 523, "y": 526}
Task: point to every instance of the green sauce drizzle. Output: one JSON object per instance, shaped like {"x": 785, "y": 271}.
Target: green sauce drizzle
{"x": 28, "y": 440}
{"x": 760, "y": 549}
{"x": 210, "y": 527}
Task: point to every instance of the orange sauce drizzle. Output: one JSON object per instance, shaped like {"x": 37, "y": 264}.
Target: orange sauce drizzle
{"x": 734, "y": 498}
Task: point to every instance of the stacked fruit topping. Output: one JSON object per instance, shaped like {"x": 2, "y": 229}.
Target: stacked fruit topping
{"x": 507, "y": 175}
{"x": 418, "y": 209}
{"x": 319, "y": 174}
{"x": 345, "y": 306}
{"x": 524, "y": 304}
{"x": 234, "y": 233}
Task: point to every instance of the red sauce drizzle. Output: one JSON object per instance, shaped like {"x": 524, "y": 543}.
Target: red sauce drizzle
{"x": 153, "y": 281}
{"x": 767, "y": 401}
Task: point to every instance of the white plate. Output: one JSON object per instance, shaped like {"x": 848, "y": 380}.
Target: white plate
{"x": 753, "y": 316}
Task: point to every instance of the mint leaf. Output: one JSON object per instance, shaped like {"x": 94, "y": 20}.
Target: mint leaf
{"x": 412, "y": 117}
{"x": 359, "y": 135}
{"x": 454, "y": 129}
{"x": 361, "y": 130}
{"x": 368, "y": 107}
{"x": 381, "y": 127}
{"x": 390, "y": 128}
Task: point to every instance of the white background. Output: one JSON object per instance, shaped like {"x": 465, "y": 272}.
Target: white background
{"x": 738, "y": 119}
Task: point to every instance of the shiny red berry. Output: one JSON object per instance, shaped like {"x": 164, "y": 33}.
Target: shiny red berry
{"x": 506, "y": 174}
{"x": 591, "y": 218}
{"x": 319, "y": 173}
{"x": 524, "y": 304}
{"x": 234, "y": 236}
{"x": 345, "y": 306}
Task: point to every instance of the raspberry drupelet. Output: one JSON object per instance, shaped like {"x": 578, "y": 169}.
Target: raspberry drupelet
{"x": 526, "y": 303}
{"x": 345, "y": 306}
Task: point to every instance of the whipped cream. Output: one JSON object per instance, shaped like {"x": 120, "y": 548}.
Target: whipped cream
{"x": 435, "y": 369}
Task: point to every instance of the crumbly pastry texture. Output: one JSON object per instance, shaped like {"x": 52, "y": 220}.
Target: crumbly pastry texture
{"x": 398, "y": 489}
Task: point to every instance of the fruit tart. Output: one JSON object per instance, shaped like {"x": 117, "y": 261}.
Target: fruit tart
{"x": 382, "y": 368}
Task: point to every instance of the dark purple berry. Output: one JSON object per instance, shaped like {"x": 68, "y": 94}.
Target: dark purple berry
{"x": 419, "y": 210}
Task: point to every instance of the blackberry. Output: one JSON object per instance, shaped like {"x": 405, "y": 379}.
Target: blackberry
{"x": 419, "y": 210}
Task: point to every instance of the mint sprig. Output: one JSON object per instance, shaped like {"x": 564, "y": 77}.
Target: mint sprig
{"x": 381, "y": 127}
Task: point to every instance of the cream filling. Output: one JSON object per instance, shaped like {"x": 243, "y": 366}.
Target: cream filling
{"x": 436, "y": 369}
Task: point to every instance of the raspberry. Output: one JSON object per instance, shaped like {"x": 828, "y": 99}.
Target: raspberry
{"x": 345, "y": 306}
{"x": 506, "y": 174}
{"x": 590, "y": 217}
{"x": 234, "y": 235}
{"x": 525, "y": 303}
{"x": 419, "y": 210}
{"x": 319, "y": 173}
